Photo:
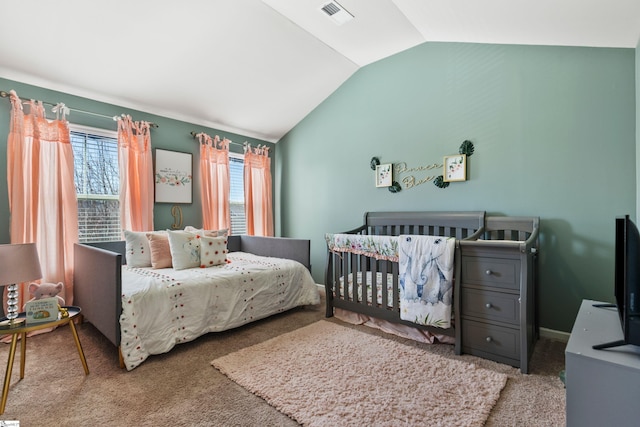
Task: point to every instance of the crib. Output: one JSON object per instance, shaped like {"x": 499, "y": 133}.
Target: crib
{"x": 360, "y": 283}
{"x": 494, "y": 312}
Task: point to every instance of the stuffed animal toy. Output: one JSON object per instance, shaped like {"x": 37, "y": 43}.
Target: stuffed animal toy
{"x": 46, "y": 290}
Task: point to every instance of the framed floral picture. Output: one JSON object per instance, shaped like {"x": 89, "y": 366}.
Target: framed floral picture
{"x": 384, "y": 175}
{"x": 173, "y": 177}
{"x": 455, "y": 168}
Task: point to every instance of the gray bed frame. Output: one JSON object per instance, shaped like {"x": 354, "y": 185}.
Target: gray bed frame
{"x": 97, "y": 278}
{"x": 461, "y": 225}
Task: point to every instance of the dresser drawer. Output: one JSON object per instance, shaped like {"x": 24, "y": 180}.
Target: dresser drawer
{"x": 488, "y": 305}
{"x": 501, "y": 273}
{"x": 488, "y": 338}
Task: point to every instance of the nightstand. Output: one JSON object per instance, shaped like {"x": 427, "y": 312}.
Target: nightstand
{"x": 22, "y": 331}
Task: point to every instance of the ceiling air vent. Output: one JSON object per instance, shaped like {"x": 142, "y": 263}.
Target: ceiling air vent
{"x": 337, "y": 13}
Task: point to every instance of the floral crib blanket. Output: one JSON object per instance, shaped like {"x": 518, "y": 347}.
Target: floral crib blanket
{"x": 374, "y": 246}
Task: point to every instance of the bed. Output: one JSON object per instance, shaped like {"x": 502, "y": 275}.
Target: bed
{"x": 366, "y": 281}
{"x": 145, "y": 311}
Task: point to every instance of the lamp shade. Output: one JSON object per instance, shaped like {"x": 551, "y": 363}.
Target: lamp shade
{"x": 19, "y": 263}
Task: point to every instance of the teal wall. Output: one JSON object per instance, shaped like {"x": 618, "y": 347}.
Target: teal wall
{"x": 170, "y": 135}
{"x": 554, "y": 135}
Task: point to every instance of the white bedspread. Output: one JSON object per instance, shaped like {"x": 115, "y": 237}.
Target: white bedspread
{"x": 165, "y": 307}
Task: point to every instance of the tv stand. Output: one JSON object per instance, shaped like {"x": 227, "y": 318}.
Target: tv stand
{"x": 602, "y": 386}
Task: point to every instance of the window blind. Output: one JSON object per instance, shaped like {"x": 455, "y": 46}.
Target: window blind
{"x": 236, "y": 196}
{"x": 97, "y": 184}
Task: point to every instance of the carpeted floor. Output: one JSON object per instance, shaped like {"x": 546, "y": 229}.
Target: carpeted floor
{"x": 181, "y": 388}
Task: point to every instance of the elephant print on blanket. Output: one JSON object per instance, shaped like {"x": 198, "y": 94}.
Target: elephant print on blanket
{"x": 426, "y": 279}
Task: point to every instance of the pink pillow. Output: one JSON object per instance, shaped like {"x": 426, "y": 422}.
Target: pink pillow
{"x": 160, "y": 251}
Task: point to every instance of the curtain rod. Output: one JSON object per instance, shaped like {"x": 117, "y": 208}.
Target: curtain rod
{"x": 5, "y": 94}
{"x": 195, "y": 135}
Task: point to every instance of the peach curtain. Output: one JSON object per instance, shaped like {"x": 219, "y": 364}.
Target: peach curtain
{"x": 136, "y": 175}
{"x": 214, "y": 182}
{"x": 258, "y": 202}
{"x": 41, "y": 189}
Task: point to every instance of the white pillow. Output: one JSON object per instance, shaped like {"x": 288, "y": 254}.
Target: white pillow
{"x": 213, "y": 251}
{"x": 137, "y": 251}
{"x": 223, "y": 232}
{"x": 185, "y": 249}
{"x": 208, "y": 233}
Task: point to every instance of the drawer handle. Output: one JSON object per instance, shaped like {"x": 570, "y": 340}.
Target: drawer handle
{"x": 488, "y": 272}
{"x": 488, "y": 339}
{"x": 488, "y": 305}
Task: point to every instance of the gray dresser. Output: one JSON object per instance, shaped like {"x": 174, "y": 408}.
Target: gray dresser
{"x": 498, "y": 291}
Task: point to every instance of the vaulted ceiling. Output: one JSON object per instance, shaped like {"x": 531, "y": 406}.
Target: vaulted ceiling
{"x": 258, "y": 67}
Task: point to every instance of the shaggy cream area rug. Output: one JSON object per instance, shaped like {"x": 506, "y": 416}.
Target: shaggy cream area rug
{"x": 327, "y": 374}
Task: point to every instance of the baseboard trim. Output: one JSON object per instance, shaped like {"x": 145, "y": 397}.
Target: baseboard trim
{"x": 554, "y": 335}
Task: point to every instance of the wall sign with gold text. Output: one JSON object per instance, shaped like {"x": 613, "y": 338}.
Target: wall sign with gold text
{"x": 453, "y": 169}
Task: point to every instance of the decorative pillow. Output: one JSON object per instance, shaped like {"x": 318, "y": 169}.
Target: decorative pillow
{"x": 223, "y": 232}
{"x": 160, "y": 251}
{"x": 185, "y": 249}
{"x": 137, "y": 251}
{"x": 208, "y": 233}
{"x": 213, "y": 251}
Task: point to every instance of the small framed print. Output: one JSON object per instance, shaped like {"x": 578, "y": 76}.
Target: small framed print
{"x": 173, "y": 177}
{"x": 455, "y": 168}
{"x": 384, "y": 175}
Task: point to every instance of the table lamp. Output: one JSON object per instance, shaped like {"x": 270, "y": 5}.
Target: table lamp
{"x": 18, "y": 263}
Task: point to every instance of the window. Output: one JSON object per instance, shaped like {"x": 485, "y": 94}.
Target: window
{"x": 236, "y": 202}
{"x": 97, "y": 182}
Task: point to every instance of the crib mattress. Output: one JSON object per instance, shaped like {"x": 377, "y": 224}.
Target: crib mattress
{"x": 368, "y": 276}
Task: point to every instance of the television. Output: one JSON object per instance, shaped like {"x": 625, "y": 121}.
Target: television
{"x": 626, "y": 283}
